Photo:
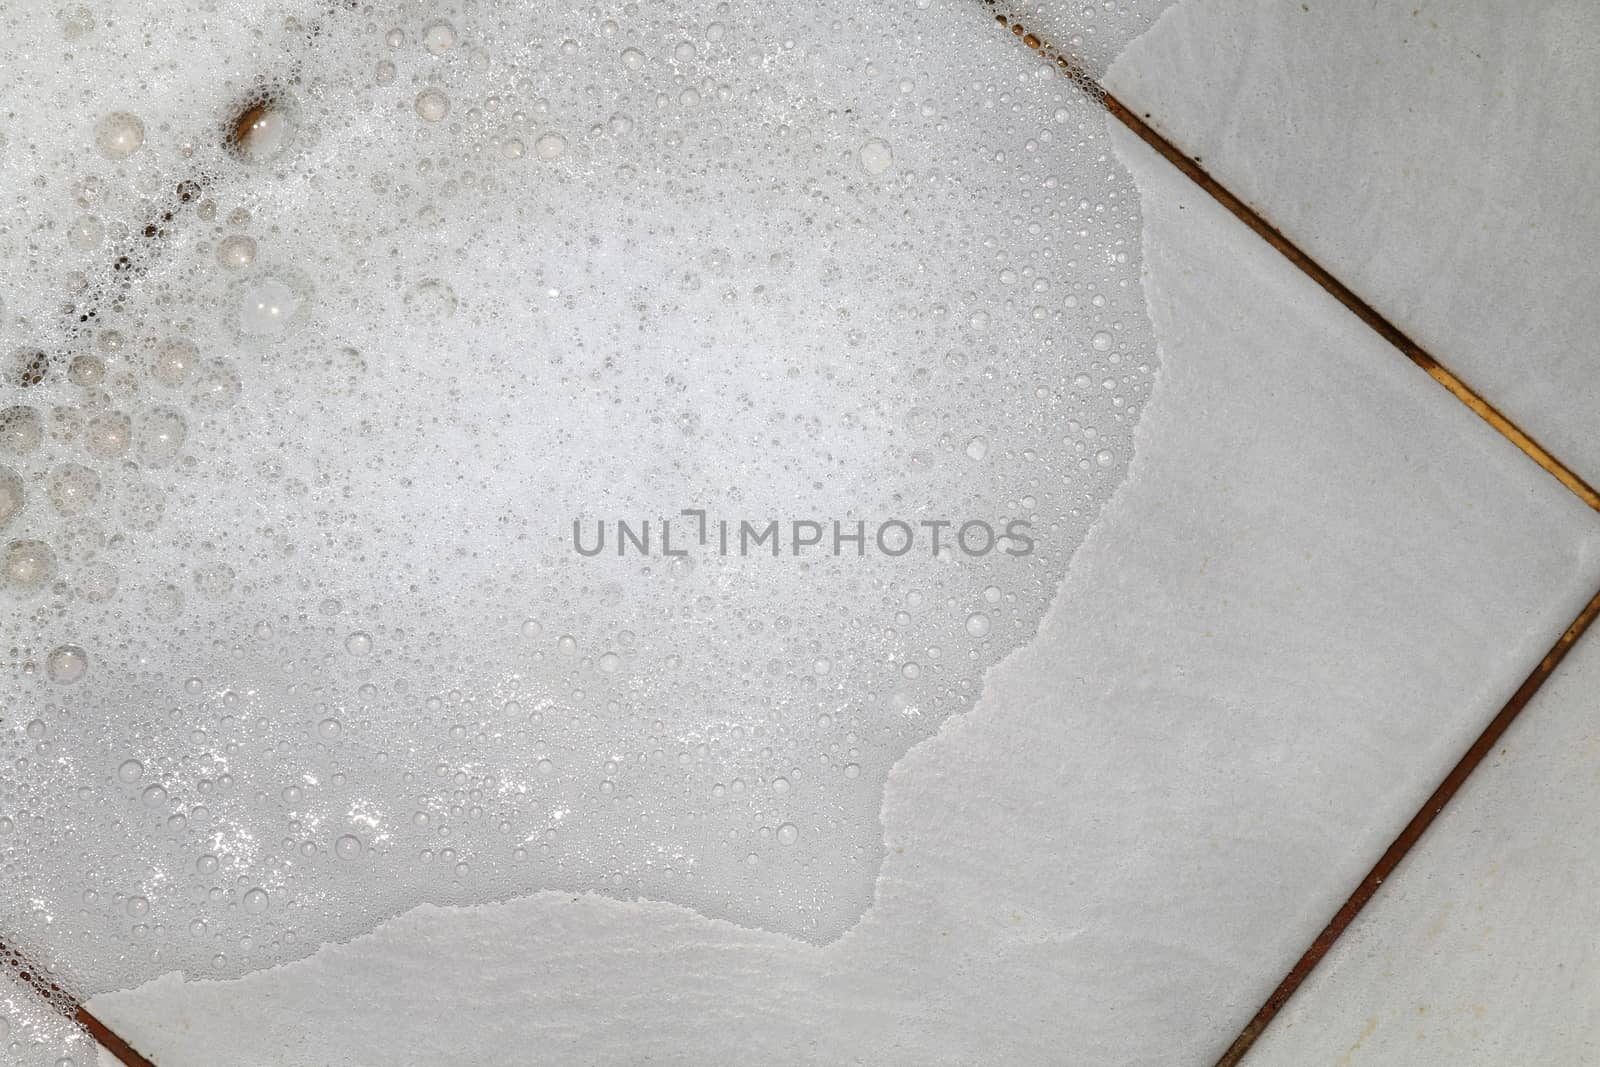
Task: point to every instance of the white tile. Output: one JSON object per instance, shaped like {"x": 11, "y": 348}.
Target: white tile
{"x": 1480, "y": 949}
{"x": 1321, "y": 580}
{"x": 1438, "y": 157}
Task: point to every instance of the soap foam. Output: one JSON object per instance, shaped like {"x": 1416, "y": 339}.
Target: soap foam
{"x": 379, "y": 305}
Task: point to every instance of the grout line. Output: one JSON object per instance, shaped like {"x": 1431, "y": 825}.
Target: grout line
{"x": 1310, "y": 267}
{"x": 1491, "y": 735}
{"x": 54, "y": 996}
{"x": 1409, "y": 836}
{"x": 109, "y": 1039}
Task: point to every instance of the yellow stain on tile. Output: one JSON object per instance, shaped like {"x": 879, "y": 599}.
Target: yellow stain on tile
{"x": 1367, "y": 1031}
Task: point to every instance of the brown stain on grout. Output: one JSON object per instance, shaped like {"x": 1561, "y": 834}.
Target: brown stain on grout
{"x": 1364, "y": 311}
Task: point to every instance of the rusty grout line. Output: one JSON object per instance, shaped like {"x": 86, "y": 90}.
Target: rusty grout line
{"x": 54, "y": 995}
{"x": 1409, "y": 836}
{"x": 1491, "y": 735}
{"x": 109, "y": 1039}
{"x": 1310, "y": 267}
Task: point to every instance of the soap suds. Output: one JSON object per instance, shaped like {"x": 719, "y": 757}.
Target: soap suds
{"x": 327, "y": 327}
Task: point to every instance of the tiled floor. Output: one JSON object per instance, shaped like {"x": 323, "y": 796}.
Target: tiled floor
{"x": 1482, "y": 949}
{"x": 1438, "y": 157}
{"x": 1324, "y": 578}
{"x": 1194, "y": 761}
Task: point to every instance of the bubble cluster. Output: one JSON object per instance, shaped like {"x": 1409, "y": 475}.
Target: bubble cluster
{"x": 36, "y": 1027}
{"x": 326, "y": 341}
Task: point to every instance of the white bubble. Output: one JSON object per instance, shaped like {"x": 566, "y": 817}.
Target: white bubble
{"x": 119, "y": 135}
{"x": 978, "y": 624}
{"x": 66, "y": 664}
{"x": 76, "y": 21}
{"x": 432, "y": 298}
{"x": 439, "y": 37}
{"x": 550, "y": 146}
{"x": 788, "y": 834}
{"x": 358, "y": 643}
{"x": 86, "y": 370}
{"x": 237, "y": 252}
{"x": 267, "y": 306}
{"x": 130, "y": 771}
{"x": 26, "y": 567}
{"x": 432, "y": 105}
{"x": 109, "y": 434}
{"x": 876, "y": 157}
{"x": 348, "y": 847}
{"x": 86, "y": 233}
{"x": 21, "y": 430}
{"x": 173, "y": 360}
{"x": 216, "y": 385}
{"x": 1101, "y": 341}
{"x": 166, "y": 601}
{"x": 72, "y": 488}
{"x": 162, "y": 432}
{"x": 256, "y": 901}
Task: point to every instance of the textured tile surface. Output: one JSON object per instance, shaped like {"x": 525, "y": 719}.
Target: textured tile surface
{"x": 1481, "y": 948}
{"x": 1438, "y": 157}
{"x": 1323, "y": 577}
